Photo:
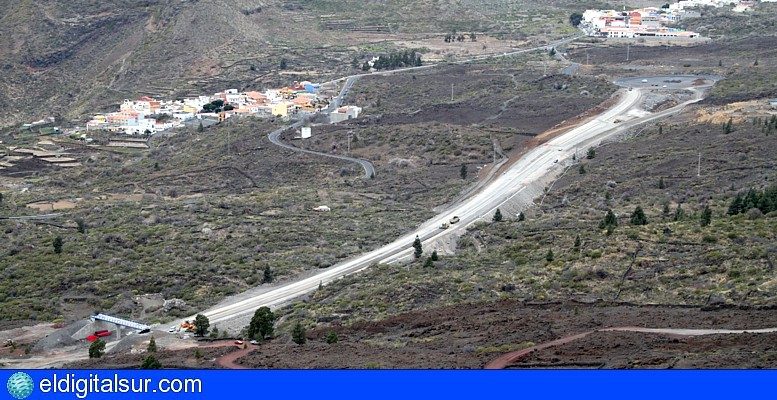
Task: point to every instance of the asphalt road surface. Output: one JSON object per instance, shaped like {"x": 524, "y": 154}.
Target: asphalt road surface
{"x": 538, "y": 162}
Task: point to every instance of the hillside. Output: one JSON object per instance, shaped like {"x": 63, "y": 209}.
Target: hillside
{"x": 68, "y": 58}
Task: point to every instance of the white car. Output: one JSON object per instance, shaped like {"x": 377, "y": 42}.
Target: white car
{"x": 254, "y": 342}
{"x": 172, "y": 329}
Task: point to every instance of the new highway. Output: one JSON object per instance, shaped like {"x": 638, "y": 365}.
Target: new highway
{"x": 625, "y": 114}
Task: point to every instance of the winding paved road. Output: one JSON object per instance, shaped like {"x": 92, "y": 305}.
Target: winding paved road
{"x": 369, "y": 168}
{"x": 275, "y": 138}
{"x": 506, "y": 360}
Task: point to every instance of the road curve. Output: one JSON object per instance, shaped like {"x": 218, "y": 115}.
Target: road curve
{"x": 275, "y": 138}
{"x": 506, "y": 360}
{"x": 369, "y": 168}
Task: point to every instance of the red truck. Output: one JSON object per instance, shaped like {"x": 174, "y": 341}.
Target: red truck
{"x": 102, "y": 333}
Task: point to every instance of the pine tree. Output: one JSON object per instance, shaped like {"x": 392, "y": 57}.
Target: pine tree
{"x": 679, "y": 214}
{"x": 728, "y": 127}
{"x": 201, "y": 324}
{"x": 706, "y": 216}
{"x": 429, "y": 263}
{"x": 497, "y": 216}
{"x": 435, "y": 257}
{"x": 750, "y": 200}
{"x": 665, "y": 212}
{"x": 581, "y": 169}
{"x": 81, "y": 225}
{"x": 638, "y": 217}
{"x": 298, "y": 334}
{"x": 57, "y": 244}
{"x": 151, "y": 345}
{"x": 331, "y": 337}
{"x": 418, "y": 248}
{"x": 463, "y": 171}
{"x": 549, "y": 256}
{"x": 521, "y": 217}
{"x": 261, "y": 325}
{"x": 267, "y": 275}
{"x": 97, "y": 349}
{"x": 610, "y": 220}
{"x": 661, "y": 184}
{"x": 577, "y": 243}
{"x": 591, "y": 153}
{"x": 150, "y": 362}
{"x": 200, "y": 128}
{"x": 736, "y": 205}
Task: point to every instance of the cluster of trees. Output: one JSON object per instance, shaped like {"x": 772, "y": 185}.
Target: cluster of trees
{"x": 217, "y": 106}
{"x": 453, "y": 37}
{"x": 763, "y": 200}
{"x": 418, "y": 251}
{"x": 397, "y": 59}
{"x": 150, "y": 362}
{"x": 768, "y": 125}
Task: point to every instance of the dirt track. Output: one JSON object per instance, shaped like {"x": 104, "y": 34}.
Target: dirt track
{"x": 229, "y": 360}
{"x": 511, "y": 358}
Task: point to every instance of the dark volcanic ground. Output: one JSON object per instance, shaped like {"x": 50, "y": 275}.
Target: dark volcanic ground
{"x": 470, "y": 336}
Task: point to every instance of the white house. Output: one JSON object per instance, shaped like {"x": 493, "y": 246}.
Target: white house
{"x": 344, "y": 113}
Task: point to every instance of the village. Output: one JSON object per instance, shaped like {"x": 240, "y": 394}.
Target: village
{"x": 137, "y": 120}
{"x": 652, "y": 22}
{"x": 147, "y": 116}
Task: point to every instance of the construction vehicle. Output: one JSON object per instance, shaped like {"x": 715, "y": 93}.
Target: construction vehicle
{"x": 445, "y": 225}
{"x": 187, "y": 326}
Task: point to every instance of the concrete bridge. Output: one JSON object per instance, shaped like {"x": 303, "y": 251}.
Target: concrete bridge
{"x": 116, "y": 325}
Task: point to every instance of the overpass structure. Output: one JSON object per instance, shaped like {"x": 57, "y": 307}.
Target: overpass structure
{"x": 120, "y": 322}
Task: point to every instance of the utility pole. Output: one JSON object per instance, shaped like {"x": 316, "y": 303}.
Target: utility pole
{"x": 493, "y": 144}
{"x": 451, "y": 93}
{"x": 698, "y": 168}
{"x": 628, "y": 51}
